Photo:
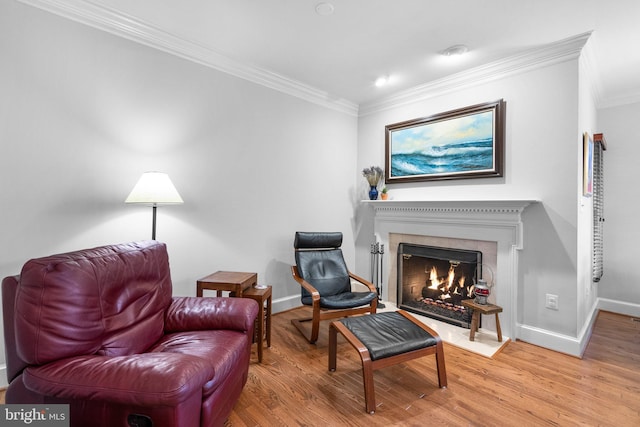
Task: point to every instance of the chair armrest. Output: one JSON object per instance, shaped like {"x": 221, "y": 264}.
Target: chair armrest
{"x": 148, "y": 379}
{"x": 315, "y": 295}
{"x": 210, "y": 313}
{"x": 365, "y": 282}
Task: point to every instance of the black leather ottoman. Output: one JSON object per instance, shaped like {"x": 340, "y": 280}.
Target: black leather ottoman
{"x": 385, "y": 339}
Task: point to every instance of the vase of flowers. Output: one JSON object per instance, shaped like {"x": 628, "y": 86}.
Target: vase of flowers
{"x": 373, "y": 176}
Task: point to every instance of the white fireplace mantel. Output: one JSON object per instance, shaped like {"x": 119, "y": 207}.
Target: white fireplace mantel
{"x": 497, "y": 221}
{"x": 492, "y": 210}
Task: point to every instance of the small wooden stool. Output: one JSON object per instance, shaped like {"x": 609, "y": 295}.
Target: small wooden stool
{"x": 263, "y": 321}
{"x": 385, "y": 339}
{"x": 479, "y": 309}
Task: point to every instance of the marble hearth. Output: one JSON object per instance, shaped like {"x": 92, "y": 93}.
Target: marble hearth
{"x": 495, "y": 227}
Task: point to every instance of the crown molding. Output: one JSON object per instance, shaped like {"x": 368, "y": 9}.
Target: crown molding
{"x": 554, "y": 53}
{"x": 114, "y": 22}
{"x": 119, "y": 24}
{"x": 591, "y": 70}
{"x": 618, "y": 101}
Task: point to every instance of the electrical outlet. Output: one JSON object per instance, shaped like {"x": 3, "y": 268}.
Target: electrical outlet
{"x": 552, "y": 302}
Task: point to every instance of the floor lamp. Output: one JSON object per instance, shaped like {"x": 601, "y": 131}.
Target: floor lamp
{"x": 154, "y": 188}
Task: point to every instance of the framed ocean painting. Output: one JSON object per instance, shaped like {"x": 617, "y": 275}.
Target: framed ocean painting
{"x": 463, "y": 143}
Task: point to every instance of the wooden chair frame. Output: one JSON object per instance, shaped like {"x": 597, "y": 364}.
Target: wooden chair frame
{"x": 368, "y": 365}
{"x": 319, "y": 313}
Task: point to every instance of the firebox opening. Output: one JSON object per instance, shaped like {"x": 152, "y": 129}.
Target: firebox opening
{"x": 434, "y": 280}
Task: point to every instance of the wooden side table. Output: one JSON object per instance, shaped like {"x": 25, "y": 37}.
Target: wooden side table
{"x": 263, "y": 298}
{"x": 479, "y": 309}
{"x": 232, "y": 281}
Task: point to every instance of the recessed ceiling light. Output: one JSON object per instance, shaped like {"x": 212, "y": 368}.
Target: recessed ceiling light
{"x": 324, "y": 9}
{"x": 381, "y": 81}
{"x": 385, "y": 80}
{"x": 455, "y": 50}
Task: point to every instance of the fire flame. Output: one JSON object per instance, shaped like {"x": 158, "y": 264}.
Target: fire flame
{"x": 447, "y": 285}
{"x": 444, "y": 285}
{"x": 470, "y": 293}
{"x": 452, "y": 276}
{"x": 445, "y": 291}
{"x": 433, "y": 278}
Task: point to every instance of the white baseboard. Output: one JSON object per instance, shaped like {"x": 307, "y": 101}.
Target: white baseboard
{"x": 286, "y": 303}
{"x": 575, "y": 346}
{"x": 620, "y": 307}
{"x": 549, "y": 339}
{"x": 587, "y": 328}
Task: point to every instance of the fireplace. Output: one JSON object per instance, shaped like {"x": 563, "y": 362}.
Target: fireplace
{"x": 433, "y": 281}
{"x": 494, "y": 227}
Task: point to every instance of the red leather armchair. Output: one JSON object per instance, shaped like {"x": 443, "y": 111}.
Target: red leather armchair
{"x": 98, "y": 329}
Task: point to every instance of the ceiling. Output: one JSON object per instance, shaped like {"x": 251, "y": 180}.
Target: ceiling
{"x": 343, "y": 53}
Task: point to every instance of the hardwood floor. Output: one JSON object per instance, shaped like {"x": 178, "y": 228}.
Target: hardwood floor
{"x": 523, "y": 385}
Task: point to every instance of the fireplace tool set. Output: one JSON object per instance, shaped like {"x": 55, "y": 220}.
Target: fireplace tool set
{"x": 377, "y": 255}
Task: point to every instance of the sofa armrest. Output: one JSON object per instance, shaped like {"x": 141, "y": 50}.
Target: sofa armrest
{"x": 210, "y": 313}
{"x": 148, "y": 379}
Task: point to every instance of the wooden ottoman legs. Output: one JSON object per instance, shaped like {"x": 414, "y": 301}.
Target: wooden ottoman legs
{"x": 368, "y": 365}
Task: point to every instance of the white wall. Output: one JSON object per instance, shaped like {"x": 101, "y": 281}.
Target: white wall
{"x": 83, "y": 114}
{"x": 586, "y": 297}
{"x": 621, "y": 279}
{"x": 541, "y": 162}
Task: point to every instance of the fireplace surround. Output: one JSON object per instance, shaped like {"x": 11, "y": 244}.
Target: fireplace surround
{"x": 494, "y": 225}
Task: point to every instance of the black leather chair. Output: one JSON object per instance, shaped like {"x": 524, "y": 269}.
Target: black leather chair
{"x": 326, "y": 282}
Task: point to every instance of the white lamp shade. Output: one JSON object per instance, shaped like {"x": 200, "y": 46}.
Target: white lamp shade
{"x": 154, "y": 188}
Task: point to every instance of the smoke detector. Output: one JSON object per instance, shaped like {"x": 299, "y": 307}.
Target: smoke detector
{"x": 324, "y": 9}
{"x": 455, "y": 50}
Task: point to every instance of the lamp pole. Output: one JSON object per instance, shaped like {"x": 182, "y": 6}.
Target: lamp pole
{"x": 153, "y": 222}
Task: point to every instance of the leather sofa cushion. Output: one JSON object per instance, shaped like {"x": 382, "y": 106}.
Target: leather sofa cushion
{"x": 106, "y": 301}
{"x": 221, "y": 349}
{"x": 148, "y": 379}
